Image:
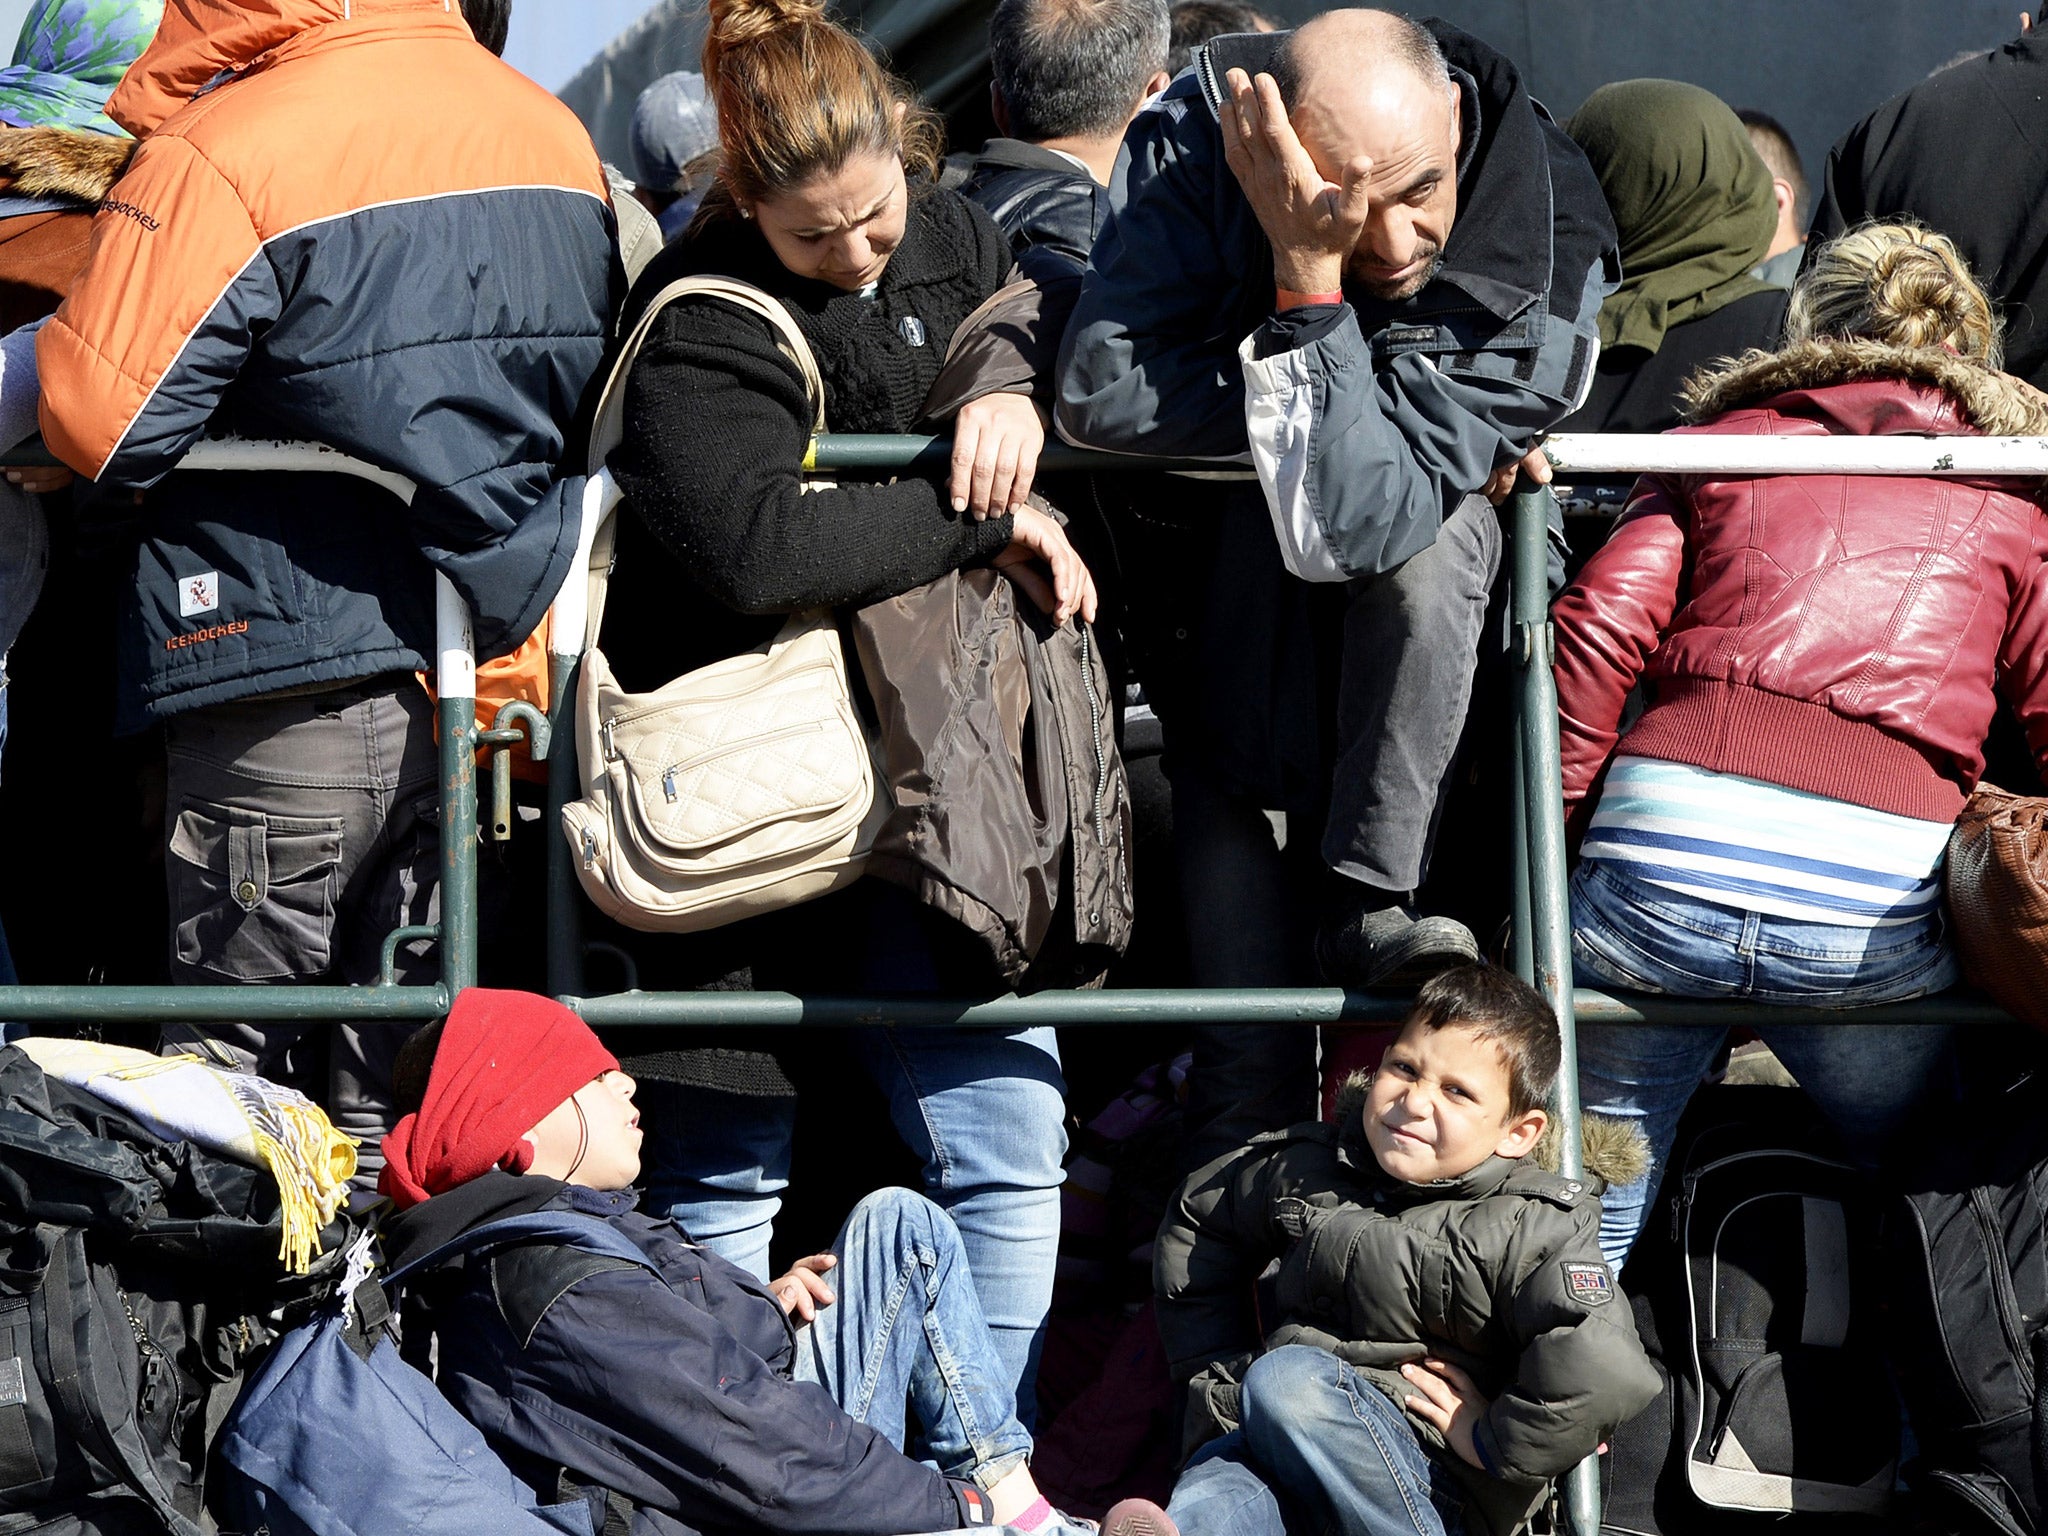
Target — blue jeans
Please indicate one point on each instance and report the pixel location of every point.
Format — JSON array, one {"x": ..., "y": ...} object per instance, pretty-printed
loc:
[
  {"x": 1865, "y": 1078},
  {"x": 905, "y": 1331},
  {"x": 1321, "y": 1450},
  {"x": 985, "y": 1112}
]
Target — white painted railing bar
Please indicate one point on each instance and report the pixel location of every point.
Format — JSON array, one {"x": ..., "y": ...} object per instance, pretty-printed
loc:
[{"x": 1623, "y": 453}]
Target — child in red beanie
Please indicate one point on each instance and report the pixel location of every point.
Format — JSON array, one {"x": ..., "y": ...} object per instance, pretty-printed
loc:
[{"x": 701, "y": 1397}]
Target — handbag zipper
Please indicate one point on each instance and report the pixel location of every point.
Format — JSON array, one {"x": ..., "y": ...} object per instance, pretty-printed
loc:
[
  {"x": 668, "y": 774},
  {"x": 1094, "y": 728},
  {"x": 796, "y": 679}
]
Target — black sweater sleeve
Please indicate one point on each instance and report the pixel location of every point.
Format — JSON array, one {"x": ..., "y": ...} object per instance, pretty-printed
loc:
[{"x": 716, "y": 427}]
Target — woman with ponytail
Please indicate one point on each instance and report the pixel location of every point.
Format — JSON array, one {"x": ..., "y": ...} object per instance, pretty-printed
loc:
[
  {"x": 1823, "y": 656},
  {"x": 825, "y": 198}
]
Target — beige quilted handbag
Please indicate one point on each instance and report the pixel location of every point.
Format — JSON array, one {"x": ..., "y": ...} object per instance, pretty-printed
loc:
[{"x": 740, "y": 787}]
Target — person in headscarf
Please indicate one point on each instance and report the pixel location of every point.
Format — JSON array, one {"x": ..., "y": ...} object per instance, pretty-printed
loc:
[
  {"x": 59, "y": 152},
  {"x": 70, "y": 56},
  {"x": 1693, "y": 204}
]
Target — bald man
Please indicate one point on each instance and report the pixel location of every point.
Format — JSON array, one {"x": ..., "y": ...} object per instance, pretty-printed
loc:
[{"x": 1360, "y": 257}]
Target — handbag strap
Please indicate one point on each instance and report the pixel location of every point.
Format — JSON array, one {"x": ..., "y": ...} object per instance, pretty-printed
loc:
[{"x": 610, "y": 424}]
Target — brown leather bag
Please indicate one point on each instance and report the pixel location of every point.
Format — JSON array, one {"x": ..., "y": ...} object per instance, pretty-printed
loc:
[{"x": 1997, "y": 886}]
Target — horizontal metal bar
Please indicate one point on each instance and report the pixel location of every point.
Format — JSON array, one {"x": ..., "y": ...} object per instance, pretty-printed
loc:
[
  {"x": 58, "y": 1005},
  {"x": 250, "y": 453},
  {"x": 1086, "y": 1009},
  {"x": 1601, "y": 453},
  {"x": 934, "y": 455},
  {"x": 1590, "y": 454},
  {"x": 1582, "y": 453},
  {"x": 1138, "y": 1006},
  {"x": 1303, "y": 1005}
]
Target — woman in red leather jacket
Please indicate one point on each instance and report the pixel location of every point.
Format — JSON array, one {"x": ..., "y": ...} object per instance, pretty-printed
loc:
[{"x": 1823, "y": 656}]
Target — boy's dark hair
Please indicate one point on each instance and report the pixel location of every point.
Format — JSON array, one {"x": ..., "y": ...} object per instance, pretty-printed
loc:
[
  {"x": 413, "y": 1066},
  {"x": 490, "y": 20},
  {"x": 1499, "y": 1006}
]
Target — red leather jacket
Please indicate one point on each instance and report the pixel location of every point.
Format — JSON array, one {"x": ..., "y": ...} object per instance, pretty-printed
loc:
[{"x": 1844, "y": 635}]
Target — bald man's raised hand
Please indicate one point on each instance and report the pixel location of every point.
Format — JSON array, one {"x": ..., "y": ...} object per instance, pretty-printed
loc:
[{"x": 1313, "y": 223}]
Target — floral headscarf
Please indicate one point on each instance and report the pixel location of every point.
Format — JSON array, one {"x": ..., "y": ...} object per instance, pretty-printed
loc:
[{"x": 71, "y": 55}]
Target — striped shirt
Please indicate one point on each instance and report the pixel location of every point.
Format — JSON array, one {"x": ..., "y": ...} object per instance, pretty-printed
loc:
[{"x": 1760, "y": 847}]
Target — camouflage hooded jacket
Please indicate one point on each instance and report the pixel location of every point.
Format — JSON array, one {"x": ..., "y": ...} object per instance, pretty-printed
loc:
[{"x": 1498, "y": 1272}]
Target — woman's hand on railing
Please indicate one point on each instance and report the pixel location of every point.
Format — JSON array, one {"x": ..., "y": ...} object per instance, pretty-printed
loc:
[
  {"x": 996, "y": 442},
  {"x": 1044, "y": 564}
]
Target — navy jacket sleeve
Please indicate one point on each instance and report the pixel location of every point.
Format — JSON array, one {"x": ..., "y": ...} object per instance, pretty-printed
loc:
[
  {"x": 1149, "y": 364},
  {"x": 629, "y": 1386}
]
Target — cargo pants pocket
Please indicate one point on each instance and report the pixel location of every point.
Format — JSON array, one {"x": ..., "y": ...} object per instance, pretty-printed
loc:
[{"x": 253, "y": 895}]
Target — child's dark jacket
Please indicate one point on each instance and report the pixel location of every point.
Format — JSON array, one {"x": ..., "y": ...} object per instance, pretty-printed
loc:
[
  {"x": 1498, "y": 1272},
  {"x": 673, "y": 1392}
]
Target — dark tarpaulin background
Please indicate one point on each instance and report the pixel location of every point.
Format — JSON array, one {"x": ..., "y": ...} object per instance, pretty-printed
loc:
[{"x": 1817, "y": 65}]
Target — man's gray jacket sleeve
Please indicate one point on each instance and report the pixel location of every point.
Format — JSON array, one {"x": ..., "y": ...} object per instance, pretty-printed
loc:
[
  {"x": 1360, "y": 464},
  {"x": 1149, "y": 361}
]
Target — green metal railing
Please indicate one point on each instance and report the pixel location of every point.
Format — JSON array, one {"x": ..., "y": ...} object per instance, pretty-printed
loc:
[{"x": 1542, "y": 934}]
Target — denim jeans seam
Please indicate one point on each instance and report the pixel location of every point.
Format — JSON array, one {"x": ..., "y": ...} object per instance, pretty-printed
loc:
[
  {"x": 1619, "y": 938},
  {"x": 878, "y": 1342},
  {"x": 1869, "y": 954},
  {"x": 1614, "y": 970},
  {"x": 1678, "y": 917},
  {"x": 1352, "y": 1387},
  {"x": 978, "y": 1438},
  {"x": 940, "y": 1158},
  {"x": 1892, "y": 989}
]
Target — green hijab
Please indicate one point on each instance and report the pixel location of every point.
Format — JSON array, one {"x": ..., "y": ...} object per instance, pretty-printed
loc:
[{"x": 1691, "y": 199}]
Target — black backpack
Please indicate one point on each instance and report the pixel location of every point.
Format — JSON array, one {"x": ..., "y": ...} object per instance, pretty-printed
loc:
[
  {"x": 1967, "y": 1257},
  {"x": 1754, "y": 1286},
  {"x": 137, "y": 1277}
]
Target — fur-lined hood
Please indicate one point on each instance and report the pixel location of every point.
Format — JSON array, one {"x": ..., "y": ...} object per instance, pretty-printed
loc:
[
  {"x": 63, "y": 162},
  {"x": 1996, "y": 404},
  {"x": 1615, "y": 1150}
]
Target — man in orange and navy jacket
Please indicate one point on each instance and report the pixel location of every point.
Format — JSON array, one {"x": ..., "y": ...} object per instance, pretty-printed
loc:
[{"x": 347, "y": 222}]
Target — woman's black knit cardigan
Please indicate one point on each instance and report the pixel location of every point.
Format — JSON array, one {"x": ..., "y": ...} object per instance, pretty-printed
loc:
[{"x": 717, "y": 542}]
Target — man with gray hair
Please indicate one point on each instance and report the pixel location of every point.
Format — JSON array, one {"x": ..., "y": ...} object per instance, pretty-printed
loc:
[
  {"x": 1361, "y": 258},
  {"x": 1069, "y": 76}
]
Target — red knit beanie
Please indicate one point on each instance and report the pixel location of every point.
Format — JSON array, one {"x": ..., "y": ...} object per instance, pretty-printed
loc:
[{"x": 505, "y": 1060}]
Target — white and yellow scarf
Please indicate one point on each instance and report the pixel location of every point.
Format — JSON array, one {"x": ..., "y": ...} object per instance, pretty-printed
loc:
[{"x": 235, "y": 1114}]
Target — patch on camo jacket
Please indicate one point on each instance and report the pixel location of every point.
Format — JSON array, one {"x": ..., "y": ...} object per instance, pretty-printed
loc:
[{"x": 1590, "y": 1284}]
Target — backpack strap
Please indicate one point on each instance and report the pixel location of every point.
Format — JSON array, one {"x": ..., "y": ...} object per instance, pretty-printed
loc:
[
  {"x": 529, "y": 1278},
  {"x": 371, "y": 1306},
  {"x": 564, "y": 1229},
  {"x": 561, "y": 1244},
  {"x": 610, "y": 423}
]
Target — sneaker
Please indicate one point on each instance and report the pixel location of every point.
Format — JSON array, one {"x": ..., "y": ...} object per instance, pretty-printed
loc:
[{"x": 1390, "y": 947}]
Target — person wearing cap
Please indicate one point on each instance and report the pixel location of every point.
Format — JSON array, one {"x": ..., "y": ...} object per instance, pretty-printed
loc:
[
  {"x": 696, "y": 1393},
  {"x": 675, "y": 121}
]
